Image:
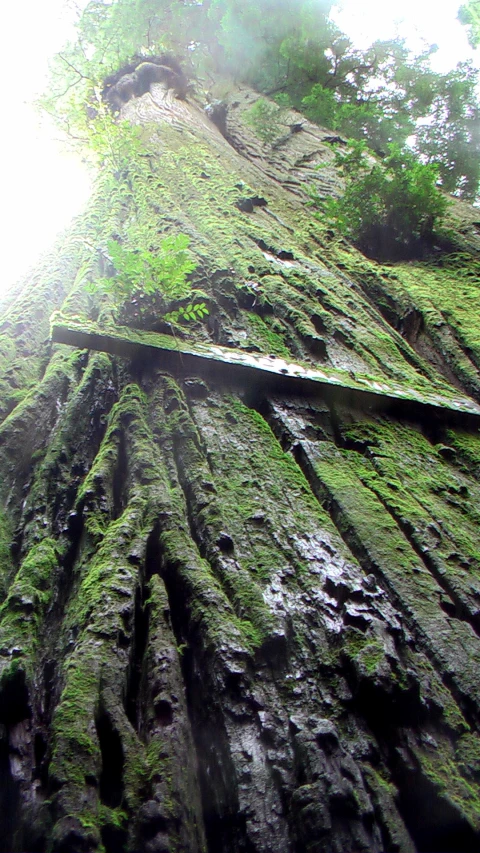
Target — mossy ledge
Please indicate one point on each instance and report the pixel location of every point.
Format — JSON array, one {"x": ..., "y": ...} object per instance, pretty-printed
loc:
[{"x": 246, "y": 369}]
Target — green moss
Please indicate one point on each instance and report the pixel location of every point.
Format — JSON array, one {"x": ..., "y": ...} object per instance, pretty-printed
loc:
[
  {"x": 434, "y": 693},
  {"x": 26, "y": 431},
  {"x": 152, "y": 497},
  {"x": 114, "y": 818},
  {"x": 137, "y": 768},
  {"x": 441, "y": 767},
  {"x": 443, "y": 292},
  {"x": 467, "y": 753},
  {"x": 265, "y": 333},
  {"x": 383, "y": 505},
  {"x": 58, "y": 466},
  {"x": 23, "y": 611},
  {"x": 18, "y": 374},
  {"x": 92, "y": 672},
  {"x": 253, "y": 493},
  {"x": 97, "y": 490},
  {"x": 6, "y": 565},
  {"x": 252, "y": 616},
  {"x": 376, "y": 529},
  {"x": 467, "y": 447},
  {"x": 417, "y": 484},
  {"x": 366, "y": 651},
  {"x": 76, "y": 751},
  {"x": 380, "y": 782},
  {"x": 447, "y": 293},
  {"x": 57, "y": 373}
]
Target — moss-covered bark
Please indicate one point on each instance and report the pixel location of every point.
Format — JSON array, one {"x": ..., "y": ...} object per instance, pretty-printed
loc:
[{"x": 234, "y": 620}]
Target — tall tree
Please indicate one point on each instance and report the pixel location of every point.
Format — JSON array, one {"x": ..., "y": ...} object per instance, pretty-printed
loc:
[
  {"x": 450, "y": 136},
  {"x": 294, "y": 51},
  {"x": 236, "y": 615}
]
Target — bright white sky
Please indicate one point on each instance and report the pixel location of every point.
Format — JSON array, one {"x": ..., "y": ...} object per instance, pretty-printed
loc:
[
  {"x": 43, "y": 187},
  {"x": 422, "y": 22}
]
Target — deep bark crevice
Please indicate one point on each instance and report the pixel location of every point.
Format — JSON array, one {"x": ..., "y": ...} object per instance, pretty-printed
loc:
[
  {"x": 111, "y": 776},
  {"x": 224, "y": 826},
  {"x": 435, "y": 825},
  {"x": 49, "y": 682},
  {"x": 40, "y": 752},
  {"x": 119, "y": 482},
  {"x": 195, "y": 534},
  {"x": 140, "y": 637},
  {"x": 66, "y": 576},
  {"x": 9, "y": 799},
  {"x": 141, "y": 623},
  {"x": 15, "y": 703},
  {"x": 114, "y": 839}
]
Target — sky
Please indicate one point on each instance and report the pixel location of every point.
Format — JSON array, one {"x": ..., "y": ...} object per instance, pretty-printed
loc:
[
  {"x": 422, "y": 22},
  {"x": 43, "y": 186}
]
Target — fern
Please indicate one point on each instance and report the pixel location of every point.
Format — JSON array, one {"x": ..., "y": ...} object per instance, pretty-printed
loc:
[{"x": 141, "y": 271}]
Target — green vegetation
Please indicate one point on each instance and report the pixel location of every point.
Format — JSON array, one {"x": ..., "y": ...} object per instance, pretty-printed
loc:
[
  {"x": 5, "y": 553},
  {"x": 143, "y": 268},
  {"x": 294, "y": 51},
  {"x": 389, "y": 210},
  {"x": 469, "y": 14},
  {"x": 266, "y": 120},
  {"x": 366, "y": 652},
  {"x": 450, "y": 138},
  {"x": 24, "y": 608},
  {"x": 382, "y": 96},
  {"x": 141, "y": 272}
]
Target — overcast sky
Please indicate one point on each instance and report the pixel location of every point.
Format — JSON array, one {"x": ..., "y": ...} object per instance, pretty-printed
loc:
[
  {"x": 422, "y": 22},
  {"x": 43, "y": 187}
]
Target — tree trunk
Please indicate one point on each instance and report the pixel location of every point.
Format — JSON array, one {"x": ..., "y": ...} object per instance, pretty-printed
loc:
[{"x": 235, "y": 619}]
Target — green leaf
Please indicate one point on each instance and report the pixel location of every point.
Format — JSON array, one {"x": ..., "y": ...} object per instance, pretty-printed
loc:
[{"x": 389, "y": 210}]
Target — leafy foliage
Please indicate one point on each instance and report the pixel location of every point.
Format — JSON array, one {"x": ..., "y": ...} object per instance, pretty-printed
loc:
[
  {"x": 469, "y": 14},
  {"x": 390, "y": 209},
  {"x": 450, "y": 133},
  {"x": 140, "y": 271},
  {"x": 266, "y": 120},
  {"x": 290, "y": 49},
  {"x": 192, "y": 311}
]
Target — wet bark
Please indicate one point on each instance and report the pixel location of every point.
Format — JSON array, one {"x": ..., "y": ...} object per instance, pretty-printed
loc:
[{"x": 235, "y": 621}]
